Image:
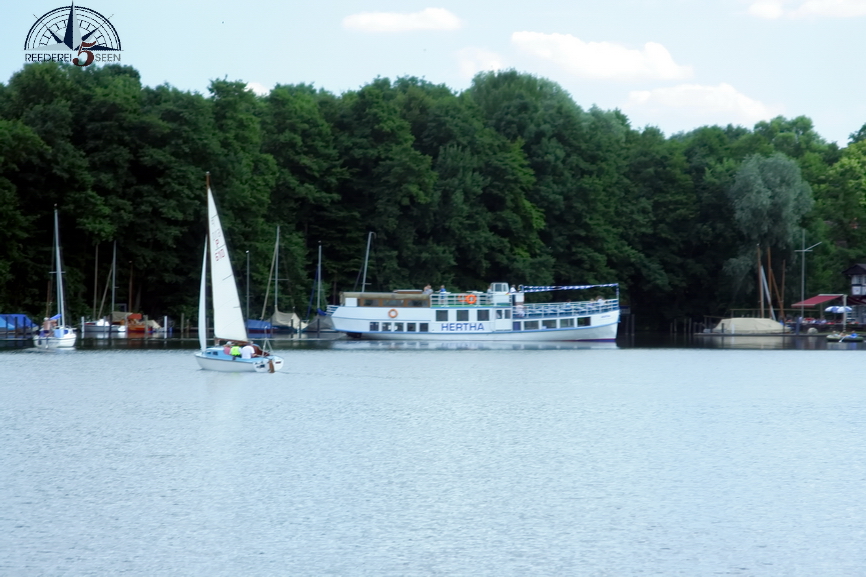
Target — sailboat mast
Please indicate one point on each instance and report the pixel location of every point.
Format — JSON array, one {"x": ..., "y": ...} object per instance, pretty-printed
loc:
[
  {"x": 60, "y": 299},
  {"x": 319, "y": 281},
  {"x": 277, "y": 269},
  {"x": 95, "y": 280},
  {"x": 366, "y": 259},
  {"x": 113, "y": 277}
]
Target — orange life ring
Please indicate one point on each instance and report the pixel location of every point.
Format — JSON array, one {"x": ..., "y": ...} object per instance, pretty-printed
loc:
[
  {"x": 392, "y": 313},
  {"x": 471, "y": 299}
]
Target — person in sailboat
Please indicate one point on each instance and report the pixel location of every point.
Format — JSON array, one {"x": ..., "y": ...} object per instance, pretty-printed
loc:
[{"x": 248, "y": 352}]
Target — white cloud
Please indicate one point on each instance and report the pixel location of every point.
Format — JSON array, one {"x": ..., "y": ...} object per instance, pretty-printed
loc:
[
  {"x": 831, "y": 9},
  {"x": 721, "y": 104},
  {"x": 769, "y": 9},
  {"x": 602, "y": 60},
  {"x": 427, "y": 19},
  {"x": 809, "y": 8},
  {"x": 258, "y": 89},
  {"x": 474, "y": 60}
]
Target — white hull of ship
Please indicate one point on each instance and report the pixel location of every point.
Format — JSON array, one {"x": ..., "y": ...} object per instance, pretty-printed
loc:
[
  {"x": 355, "y": 321},
  {"x": 604, "y": 333}
]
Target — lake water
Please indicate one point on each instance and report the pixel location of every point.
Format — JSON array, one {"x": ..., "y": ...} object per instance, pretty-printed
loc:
[{"x": 721, "y": 457}]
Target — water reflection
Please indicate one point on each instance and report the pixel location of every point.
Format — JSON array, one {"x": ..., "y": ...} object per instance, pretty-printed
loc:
[
  {"x": 340, "y": 343},
  {"x": 705, "y": 341}
]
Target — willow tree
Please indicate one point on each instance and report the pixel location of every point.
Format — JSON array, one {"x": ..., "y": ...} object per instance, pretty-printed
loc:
[{"x": 770, "y": 199}]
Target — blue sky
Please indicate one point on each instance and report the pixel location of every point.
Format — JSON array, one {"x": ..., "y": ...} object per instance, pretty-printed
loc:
[{"x": 674, "y": 64}]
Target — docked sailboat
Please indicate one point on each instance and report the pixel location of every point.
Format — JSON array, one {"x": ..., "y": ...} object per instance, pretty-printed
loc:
[
  {"x": 321, "y": 322},
  {"x": 55, "y": 333},
  {"x": 236, "y": 353},
  {"x": 279, "y": 321},
  {"x": 114, "y": 324}
]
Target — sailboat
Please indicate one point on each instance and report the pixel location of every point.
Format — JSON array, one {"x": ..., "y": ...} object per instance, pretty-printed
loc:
[
  {"x": 228, "y": 317},
  {"x": 278, "y": 321},
  {"x": 55, "y": 333},
  {"x": 112, "y": 324},
  {"x": 321, "y": 323}
]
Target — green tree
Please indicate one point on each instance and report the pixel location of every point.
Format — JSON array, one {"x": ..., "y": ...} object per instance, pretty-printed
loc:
[{"x": 770, "y": 199}]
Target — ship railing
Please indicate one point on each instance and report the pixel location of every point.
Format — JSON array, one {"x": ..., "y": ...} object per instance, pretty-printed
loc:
[
  {"x": 581, "y": 308},
  {"x": 471, "y": 299}
]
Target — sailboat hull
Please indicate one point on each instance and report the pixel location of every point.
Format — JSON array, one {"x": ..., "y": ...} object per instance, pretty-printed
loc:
[
  {"x": 215, "y": 359},
  {"x": 61, "y": 338}
]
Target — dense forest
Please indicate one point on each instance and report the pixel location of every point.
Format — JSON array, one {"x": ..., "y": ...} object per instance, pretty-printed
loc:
[{"x": 508, "y": 180}]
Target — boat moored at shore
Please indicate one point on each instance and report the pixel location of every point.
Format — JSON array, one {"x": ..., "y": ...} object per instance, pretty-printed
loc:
[{"x": 499, "y": 314}]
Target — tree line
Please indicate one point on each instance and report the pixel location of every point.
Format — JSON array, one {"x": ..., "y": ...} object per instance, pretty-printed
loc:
[{"x": 507, "y": 180}]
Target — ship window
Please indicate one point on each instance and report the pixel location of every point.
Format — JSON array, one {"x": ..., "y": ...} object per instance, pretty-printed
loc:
[
  {"x": 516, "y": 325},
  {"x": 462, "y": 315},
  {"x": 530, "y": 325},
  {"x": 392, "y": 302},
  {"x": 549, "y": 324},
  {"x": 410, "y": 327},
  {"x": 374, "y": 326},
  {"x": 483, "y": 315},
  {"x": 583, "y": 322},
  {"x": 370, "y": 302},
  {"x": 422, "y": 328},
  {"x": 442, "y": 316},
  {"x": 398, "y": 327},
  {"x": 386, "y": 326},
  {"x": 417, "y": 303},
  {"x": 499, "y": 314},
  {"x": 508, "y": 314},
  {"x": 563, "y": 323}
]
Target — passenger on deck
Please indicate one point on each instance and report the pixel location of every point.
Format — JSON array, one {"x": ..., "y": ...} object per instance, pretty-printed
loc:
[
  {"x": 428, "y": 290},
  {"x": 442, "y": 289}
]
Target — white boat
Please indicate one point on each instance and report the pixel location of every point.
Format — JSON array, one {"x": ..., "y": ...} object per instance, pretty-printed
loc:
[
  {"x": 97, "y": 327},
  {"x": 55, "y": 333},
  {"x": 228, "y": 318},
  {"x": 500, "y": 314}
]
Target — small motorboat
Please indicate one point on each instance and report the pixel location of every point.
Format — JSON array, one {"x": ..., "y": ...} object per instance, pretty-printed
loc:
[{"x": 844, "y": 338}]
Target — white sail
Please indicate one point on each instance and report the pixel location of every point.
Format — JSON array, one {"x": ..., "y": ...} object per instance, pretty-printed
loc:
[
  {"x": 202, "y": 301},
  {"x": 228, "y": 317}
]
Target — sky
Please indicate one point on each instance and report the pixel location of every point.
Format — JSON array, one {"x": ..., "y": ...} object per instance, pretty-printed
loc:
[{"x": 673, "y": 64}]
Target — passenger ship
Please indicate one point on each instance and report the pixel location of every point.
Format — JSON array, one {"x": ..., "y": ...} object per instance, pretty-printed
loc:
[{"x": 500, "y": 314}]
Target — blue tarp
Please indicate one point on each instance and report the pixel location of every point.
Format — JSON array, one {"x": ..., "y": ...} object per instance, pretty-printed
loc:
[
  {"x": 259, "y": 326},
  {"x": 9, "y": 321}
]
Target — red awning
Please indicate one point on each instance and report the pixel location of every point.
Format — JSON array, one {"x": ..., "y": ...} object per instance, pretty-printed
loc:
[{"x": 810, "y": 303}]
